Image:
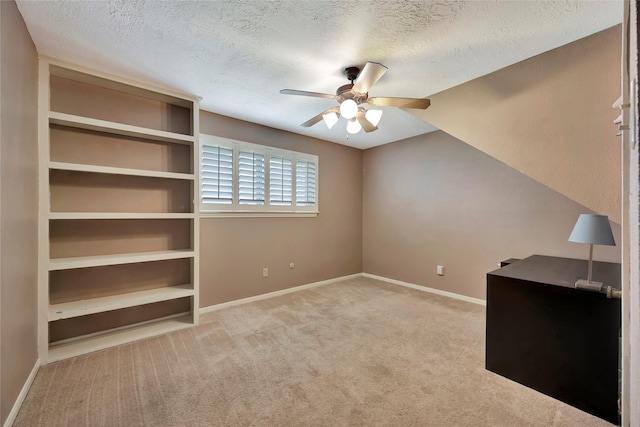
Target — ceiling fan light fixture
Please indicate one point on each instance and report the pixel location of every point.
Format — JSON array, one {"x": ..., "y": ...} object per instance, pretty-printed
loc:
[
  {"x": 348, "y": 109},
  {"x": 373, "y": 116},
  {"x": 353, "y": 126},
  {"x": 330, "y": 119},
  {"x": 352, "y": 98}
]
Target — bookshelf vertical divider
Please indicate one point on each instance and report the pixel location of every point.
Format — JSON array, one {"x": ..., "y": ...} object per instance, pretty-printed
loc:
[{"x": 118, "y": 230}]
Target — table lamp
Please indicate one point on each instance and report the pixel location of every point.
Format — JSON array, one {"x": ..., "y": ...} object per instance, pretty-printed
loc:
[{"x": 593, "y": 230}]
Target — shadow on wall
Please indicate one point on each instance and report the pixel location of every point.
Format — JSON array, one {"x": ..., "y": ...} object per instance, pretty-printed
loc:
[
  {"x": 434, "y": 200},
  {"x": 549, "y": 116}
]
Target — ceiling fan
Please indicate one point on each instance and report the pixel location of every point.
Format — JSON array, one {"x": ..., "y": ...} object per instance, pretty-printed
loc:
[{"x": 351, "y": 96}]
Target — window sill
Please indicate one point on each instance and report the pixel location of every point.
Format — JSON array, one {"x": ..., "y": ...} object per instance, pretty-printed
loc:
[{"x": 258, "y": 214}]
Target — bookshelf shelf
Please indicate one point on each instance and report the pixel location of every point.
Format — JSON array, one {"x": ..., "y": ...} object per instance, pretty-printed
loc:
[
  {"x": 118, "y": 215},
  {"x": 103, "y": 260},
  {"x": 71, "y": 309},
  {"x": 97, "y": 125},
  {"x": 77, "y": 167},
  {"x": 86, "y": 344}
]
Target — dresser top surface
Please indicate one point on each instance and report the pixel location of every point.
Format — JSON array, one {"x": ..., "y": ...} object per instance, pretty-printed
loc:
[{"x": 560, "y": 271}]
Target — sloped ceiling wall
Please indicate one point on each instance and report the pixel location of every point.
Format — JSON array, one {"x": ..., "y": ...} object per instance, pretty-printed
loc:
[{"x": 549, "y": 117}]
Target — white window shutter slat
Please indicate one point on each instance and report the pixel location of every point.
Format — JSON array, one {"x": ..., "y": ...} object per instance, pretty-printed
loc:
[
  {"x": 216, "y": 170},
  {"x": 280, "y": 185},
  {"x": 251, "y": 178},
  {"x": 305, "y": 183}
]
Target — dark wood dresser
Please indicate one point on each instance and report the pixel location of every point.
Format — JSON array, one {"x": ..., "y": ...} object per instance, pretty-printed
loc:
[{"x": 547, "y": 335}]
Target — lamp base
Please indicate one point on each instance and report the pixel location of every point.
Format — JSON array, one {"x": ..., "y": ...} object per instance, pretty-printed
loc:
[{"x": 590, "y": 286}]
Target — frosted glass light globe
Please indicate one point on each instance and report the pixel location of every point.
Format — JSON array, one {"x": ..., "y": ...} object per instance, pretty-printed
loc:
[
  {"x": 348, "y": 109},
  {"x": 353, "y": 127},
  {"x": 373, "y": 116},
  {"x": 330, "y": 119}
]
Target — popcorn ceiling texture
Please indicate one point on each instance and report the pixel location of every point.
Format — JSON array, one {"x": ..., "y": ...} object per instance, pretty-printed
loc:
[{"x": 238, "y": 55}]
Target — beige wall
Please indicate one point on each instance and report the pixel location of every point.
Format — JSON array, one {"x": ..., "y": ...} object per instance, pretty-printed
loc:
[
  {"x": 234, "y": 250},
  {"x": 434, "y": 200},
  {"x": 18, "y": 206},
  {"x": 550, "y": 117}
]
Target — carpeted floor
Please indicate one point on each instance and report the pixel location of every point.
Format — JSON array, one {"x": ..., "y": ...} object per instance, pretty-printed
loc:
[{"x": 354, "y": 353}]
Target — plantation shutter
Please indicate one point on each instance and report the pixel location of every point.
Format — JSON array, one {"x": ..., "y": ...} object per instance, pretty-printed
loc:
[
  {"x": 216, "y": 174},
  {"x": 280, "y": 185},
  {"x": 251, "y": 178},
  {"x": 305, "y": 183}
]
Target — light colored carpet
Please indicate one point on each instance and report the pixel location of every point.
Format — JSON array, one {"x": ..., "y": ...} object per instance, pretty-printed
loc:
[{"x": 354, "y": 353}]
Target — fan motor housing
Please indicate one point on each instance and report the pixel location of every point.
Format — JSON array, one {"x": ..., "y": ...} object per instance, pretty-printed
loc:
[{"x": 344, "y": 92}]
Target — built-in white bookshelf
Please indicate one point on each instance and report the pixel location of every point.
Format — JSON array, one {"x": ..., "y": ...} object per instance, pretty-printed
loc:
[{"x": 105, "y": 137}]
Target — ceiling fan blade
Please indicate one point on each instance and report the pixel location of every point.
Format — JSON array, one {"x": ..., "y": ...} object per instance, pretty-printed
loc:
[
  {"x": 304, "y": 93},
  {"x": 421, "y": 103},
  {"x": 315, "y": 119},
  {"x": 369, "y": 75},
  {"x": 366, "y": 124}
]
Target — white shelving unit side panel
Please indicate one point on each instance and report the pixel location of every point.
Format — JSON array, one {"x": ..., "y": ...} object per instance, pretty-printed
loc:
[
  {"x": 195, "y": 225},
  {"x": 43, "y": 208}
]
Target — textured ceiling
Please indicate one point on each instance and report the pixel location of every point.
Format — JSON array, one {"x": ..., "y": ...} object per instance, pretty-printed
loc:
[{"x": 237, "y": 55}]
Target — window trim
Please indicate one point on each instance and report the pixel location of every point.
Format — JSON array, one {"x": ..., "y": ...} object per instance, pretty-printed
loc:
[{"x": 267, "y": 210}]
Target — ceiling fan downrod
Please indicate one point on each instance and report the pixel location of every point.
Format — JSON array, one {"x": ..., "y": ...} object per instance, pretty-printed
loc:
[{"x": 345, "y": 92}]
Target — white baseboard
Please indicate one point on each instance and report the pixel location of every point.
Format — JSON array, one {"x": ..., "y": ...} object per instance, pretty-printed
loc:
[
  {"x": 215, "y": 307},
  {"x": 276, "y": 293},
  {"x": 23, "y": 393},
  {"x": 426, "y": 289}
]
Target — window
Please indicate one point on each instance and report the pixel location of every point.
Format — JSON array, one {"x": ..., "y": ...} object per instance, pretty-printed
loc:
[
  {"x": 217, "y": 174},
  {"x": 280, "y": 190},
  {"x": 251, "y": 178},
  {"x": 305, "y": 183},
  {"x": 239, "y": 177}
]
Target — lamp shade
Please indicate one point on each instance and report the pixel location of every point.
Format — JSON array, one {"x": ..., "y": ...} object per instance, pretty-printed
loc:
[{"x": 593, "y": 230}]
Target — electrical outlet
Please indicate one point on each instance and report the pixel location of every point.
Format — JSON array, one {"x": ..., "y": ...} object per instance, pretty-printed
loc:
[
  {"x": 440, "y": 270},
  {"x": 265, "y": 272}
]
